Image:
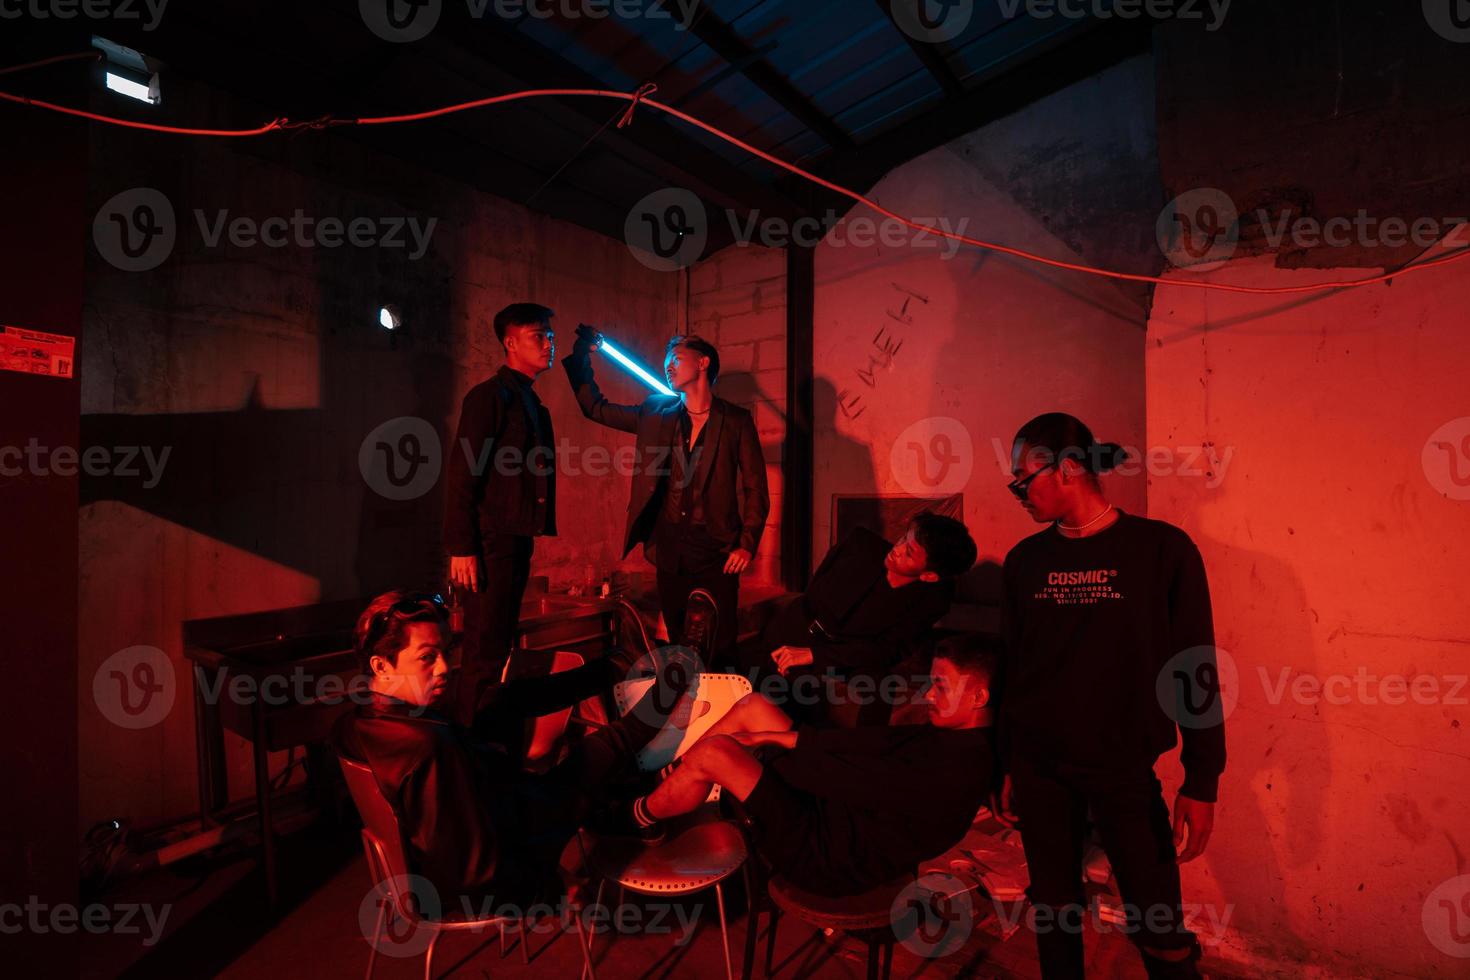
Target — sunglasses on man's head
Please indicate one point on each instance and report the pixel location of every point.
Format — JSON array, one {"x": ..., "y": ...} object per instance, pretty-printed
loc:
[
  {"x": 404, "y": 608},
  {"x": 1022, "y": 486}
]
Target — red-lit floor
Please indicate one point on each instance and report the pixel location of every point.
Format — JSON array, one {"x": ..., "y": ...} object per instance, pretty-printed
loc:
[{"x": 218, "y": 927}]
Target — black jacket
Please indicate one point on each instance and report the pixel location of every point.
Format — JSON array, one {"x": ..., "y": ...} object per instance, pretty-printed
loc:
[
  {"x": 735, "y": 517},
  {"x": 866, "y": 625},
  {"x": 474, "y": 823},
  {"x": 500, "y": 472}
]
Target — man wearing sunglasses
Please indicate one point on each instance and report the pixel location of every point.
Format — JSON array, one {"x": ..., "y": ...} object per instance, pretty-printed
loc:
[
  {"x": 1105, "y": 614},
  {"x": 699, "y": 499},
  {"x": 476, "y": 825}
]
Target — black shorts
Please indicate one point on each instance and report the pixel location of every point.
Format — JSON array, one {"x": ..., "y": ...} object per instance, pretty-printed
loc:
[{"x": 790, "y": 832}]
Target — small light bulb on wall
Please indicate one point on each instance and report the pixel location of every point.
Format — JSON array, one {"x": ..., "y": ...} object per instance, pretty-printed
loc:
[{"x": 389, "y": 318}]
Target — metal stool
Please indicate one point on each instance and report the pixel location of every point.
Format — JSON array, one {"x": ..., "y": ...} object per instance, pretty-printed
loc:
[{"x": 702, "y": 851}]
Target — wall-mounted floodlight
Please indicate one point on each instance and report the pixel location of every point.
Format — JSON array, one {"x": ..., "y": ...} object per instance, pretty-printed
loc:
[{"x": 128, "y": 73}]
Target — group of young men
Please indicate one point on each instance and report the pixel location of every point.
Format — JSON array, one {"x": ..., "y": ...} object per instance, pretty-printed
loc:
[{"x": 1057, "y": 722}]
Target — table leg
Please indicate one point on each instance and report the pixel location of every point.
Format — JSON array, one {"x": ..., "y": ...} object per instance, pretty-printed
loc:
[
  {"x": 209, "y": 747},
  {"x": 263, "y": 802}
]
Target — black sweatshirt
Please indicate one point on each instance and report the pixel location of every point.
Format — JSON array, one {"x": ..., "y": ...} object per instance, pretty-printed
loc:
[
  {"x": 888, "y": 797},
  {"x": 1091, "y": 623}
]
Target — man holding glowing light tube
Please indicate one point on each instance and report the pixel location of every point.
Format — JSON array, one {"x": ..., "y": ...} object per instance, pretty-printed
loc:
[{"x": 699, "y": 499}]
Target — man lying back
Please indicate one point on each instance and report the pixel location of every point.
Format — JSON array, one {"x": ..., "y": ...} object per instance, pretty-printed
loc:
[
  {"x": 476, "y": 825},
  {"x": 841, "y": 811}
]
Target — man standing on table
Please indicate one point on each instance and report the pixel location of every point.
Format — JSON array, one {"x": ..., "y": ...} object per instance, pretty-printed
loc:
[
  {"x": 501, "y": 494},
  {"x": 699, "y": 499}
]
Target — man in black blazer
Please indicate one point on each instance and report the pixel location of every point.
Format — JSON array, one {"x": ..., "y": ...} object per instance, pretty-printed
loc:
[
  {"x": 869, "y": 604},
  {"x": 500, "y": 494},
  {"x": 699, "y": 500}
]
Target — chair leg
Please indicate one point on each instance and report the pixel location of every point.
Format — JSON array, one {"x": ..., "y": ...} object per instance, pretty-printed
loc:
[
  {"x": 586, "y": 947},
  {"x": 525, "y": 938},
  {"x": 377, "y": 937},
  {"x": 592, "y": 933},
  {"x": 429, "y": 955},
  {"x": 887, "y": 958},
  {"x": 501, "y": 925},
  {"x": 771, "y": 937},
  {"x": 874, "y": 957},
  {"x": 724, "y": 932},
  {"x": 752, "y": 923}
]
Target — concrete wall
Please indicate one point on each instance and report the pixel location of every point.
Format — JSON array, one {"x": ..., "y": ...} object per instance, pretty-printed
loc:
[
  {"x": 263, "y": 370},
  {"x": 930, "y": 355},
  {"x": 1337, "y": 528},
  {"x": 737, "y": 300},
  {"x": 1335, "y": 542}
]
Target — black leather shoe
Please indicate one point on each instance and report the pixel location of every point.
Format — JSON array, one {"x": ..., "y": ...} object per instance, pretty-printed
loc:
[{"x": 701, "y": 623}]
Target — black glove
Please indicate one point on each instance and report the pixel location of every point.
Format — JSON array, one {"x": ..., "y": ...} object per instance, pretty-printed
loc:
[{"x": 587, "y": 340}]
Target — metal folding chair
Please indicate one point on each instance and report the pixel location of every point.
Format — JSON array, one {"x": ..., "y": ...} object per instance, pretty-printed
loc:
[{"x": 382, "y": 840}]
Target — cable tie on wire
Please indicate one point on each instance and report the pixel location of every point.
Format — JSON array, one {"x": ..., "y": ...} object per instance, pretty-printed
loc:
[
  {"x": 321, "y": 122},
  {"x": 644, "y": 91}
]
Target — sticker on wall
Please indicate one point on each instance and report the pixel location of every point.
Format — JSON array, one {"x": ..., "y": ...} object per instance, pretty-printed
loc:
[
  {"x": 934, "y": 457},
  {"x": 34, "y": 352}
]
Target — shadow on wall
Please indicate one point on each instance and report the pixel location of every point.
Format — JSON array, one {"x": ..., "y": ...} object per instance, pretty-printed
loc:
[
  {"x": 843, "y": 466},
  {"x": 1273, "y": 799},
  {"x": 277, "y": 483},
  {"x": 741, "y": 388}
]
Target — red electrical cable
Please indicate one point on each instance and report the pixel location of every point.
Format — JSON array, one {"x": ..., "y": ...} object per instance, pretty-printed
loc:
[
  {"x": 151, "y": 127},
  {"x": 641, "y": 98}
]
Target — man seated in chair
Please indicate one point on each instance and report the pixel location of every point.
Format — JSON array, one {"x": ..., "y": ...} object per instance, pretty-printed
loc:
[
  {"x": 474, "y": 823},
  {"x": 839, "y": 811},
  {"x": 869, "y": 603}
]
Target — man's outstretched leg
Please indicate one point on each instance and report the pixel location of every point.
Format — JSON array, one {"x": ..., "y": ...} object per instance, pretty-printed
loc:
[
  {"x": 753, "y": 713},
  {"x": 715, "y": 759}
]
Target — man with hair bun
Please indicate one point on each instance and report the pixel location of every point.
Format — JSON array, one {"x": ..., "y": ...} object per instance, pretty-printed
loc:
[{"x": 1096, "y": 609}]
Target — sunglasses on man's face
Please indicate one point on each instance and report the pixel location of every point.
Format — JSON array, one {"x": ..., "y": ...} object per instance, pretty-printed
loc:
[{"x": 1023, "y": 486}]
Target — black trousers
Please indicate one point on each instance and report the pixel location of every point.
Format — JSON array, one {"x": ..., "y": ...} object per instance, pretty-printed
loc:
[
  {"x": 551, "y": 807},
  {"x": 673, "y": 598},
  {"x": 1053, "y": 800},
  {"x": 492, "y": 615}
]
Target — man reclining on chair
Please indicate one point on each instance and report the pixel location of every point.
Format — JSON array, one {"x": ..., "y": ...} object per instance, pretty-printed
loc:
[
  {"x": 868, "y": 604},
  {"x": 841, "y": 811},
  {"x": 475, "y": 824}
]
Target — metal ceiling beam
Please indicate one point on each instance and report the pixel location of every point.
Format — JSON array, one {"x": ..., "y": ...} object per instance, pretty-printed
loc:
[
  {"x": 663, "y": 149},
  {"x": 935, "y": 56},
  {"x": 728, "y": 44},
  {"x": 1091, "y": 49}
]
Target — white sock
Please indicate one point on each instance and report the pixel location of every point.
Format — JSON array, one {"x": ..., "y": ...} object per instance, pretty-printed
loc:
[{"x": 640, "y": 813}]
